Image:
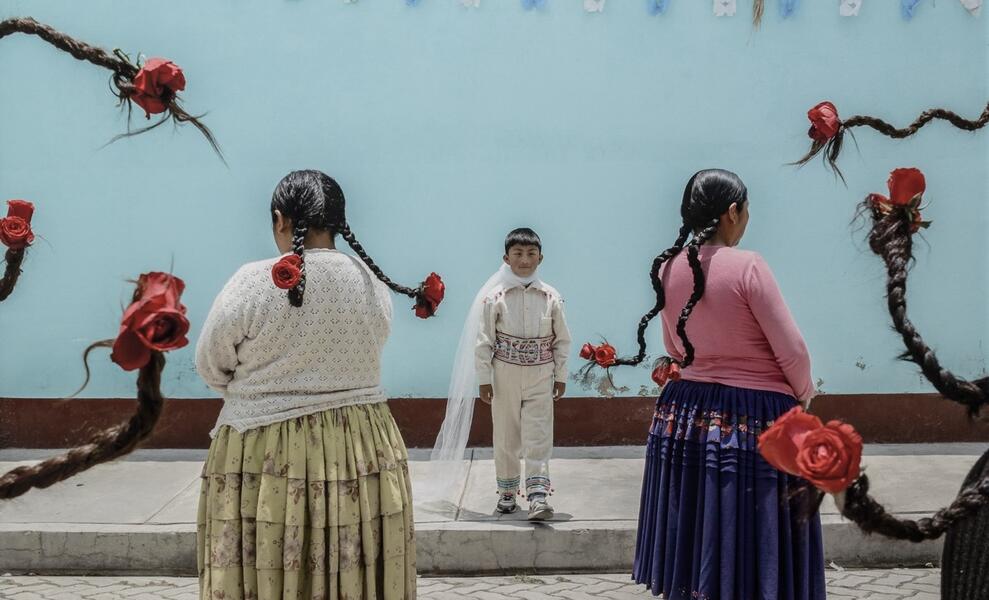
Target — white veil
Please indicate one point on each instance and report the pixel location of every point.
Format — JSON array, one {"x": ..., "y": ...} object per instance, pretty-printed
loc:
[{"x": 449, "y": 465}]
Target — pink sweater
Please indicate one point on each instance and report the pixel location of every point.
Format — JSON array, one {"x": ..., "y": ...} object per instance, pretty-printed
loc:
[{"x": 742, "y": 331}]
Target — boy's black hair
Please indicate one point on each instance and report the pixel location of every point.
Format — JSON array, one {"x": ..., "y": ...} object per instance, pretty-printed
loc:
[{"x": 523, "y": 236}]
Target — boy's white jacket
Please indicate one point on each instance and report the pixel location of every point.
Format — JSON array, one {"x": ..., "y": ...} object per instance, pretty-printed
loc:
[{"x": 452, "y": 439}]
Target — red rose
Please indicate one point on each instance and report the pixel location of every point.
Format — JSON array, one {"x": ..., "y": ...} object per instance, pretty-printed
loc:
[
  {"x": 587, "y": 351},
  {"x": 155, "y": 321},
  {"x": 604, "y": 355},
  {"x": 830, "y": 457},
  {"x": 15, "y": 228},
  {"x": 780, "y": 443},
  {"x": 824, "y": 122},
  {"x": 661, "y": 374},
  {"x": 156, "y": 84},
  {"x": 430, "y": 295},
  {"x": 287, "y": 272},
  {"x": 675, "y": 371},
  {"x": 906, "y": 186}
]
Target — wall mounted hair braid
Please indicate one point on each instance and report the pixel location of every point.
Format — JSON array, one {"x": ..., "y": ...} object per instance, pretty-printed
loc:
[
  {"x": 827, "y": 130},
  {"x": 16, "y": 234},
  {"x": 153, "y": 86},
  {"x": 758, "y": 9},
  {"x": 894, "y": 221},
  {"x": 154, "y": 323},
  {"x": 871, "y": 516}
]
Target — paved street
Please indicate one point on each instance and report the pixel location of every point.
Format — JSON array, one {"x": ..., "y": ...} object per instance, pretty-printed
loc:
[{"x": 873, "y": 584}]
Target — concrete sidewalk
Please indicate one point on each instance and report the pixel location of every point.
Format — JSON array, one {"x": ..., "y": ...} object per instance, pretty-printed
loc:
[{"x": 138, "y": 515}]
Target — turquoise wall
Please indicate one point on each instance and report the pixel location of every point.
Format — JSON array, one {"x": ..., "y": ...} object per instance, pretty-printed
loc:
[{"x": 447, "y": 127}]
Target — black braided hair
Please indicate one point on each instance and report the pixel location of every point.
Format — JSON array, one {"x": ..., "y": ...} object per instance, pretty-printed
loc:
[
  {"x": 299, "y": 231},
  {"x": 707, "y": 195},
  {"x": 832, "y": 147},
  {"x": 891, "y": 238},
  {"x": 313, "y": 200},
  {"x": 871, "y": 516},
  {"x": 693, "y": 251},
  {"x": 351, "y": 239}
]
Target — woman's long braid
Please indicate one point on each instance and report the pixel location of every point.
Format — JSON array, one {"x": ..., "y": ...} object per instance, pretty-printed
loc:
[
  {"x": 299, "y": 231},
  {"x": 348, "y": 235},
  {"x": 123, "y": 72},
  {"x": 11, "y": 272},
  {"x": 871, "y": 517},
  {"x": 657, "y": 286},
  {"x": 693, "y": 250},
  {"x": 891, "y": 238},
  {"x": 107, "y": 445}
]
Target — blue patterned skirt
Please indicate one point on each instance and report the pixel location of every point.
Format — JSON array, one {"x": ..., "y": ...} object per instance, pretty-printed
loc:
[{"x": 716, "y": 522}]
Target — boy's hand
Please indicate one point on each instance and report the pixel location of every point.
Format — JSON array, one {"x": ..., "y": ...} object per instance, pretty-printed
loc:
[
  {"x": 559, "y": 388},
  {"x": 487, "y": 393}
]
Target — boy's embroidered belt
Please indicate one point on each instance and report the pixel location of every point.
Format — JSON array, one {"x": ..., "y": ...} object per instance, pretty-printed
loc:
[{"x": 526, "y": 352}]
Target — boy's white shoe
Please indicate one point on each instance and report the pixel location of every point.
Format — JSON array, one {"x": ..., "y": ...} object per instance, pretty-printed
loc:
[
  {"x": 507, "y": 504},
  {"x": 539, "y": 509}
]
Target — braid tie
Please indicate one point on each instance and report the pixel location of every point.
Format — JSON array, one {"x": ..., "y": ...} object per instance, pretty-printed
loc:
[
  {"x": 299, "y": 231},
  {"x": 657, "y": 286},
  {"x": 872, "y": 517},
  {"x": 693, "y": 251},
  {"x": 891, "y": 239},
  {"x": 122, "y": 69},
  {"x": 348, "y": 235},
  {"x": 11, "y": 273},
  {"x": 104, "y": 446}
]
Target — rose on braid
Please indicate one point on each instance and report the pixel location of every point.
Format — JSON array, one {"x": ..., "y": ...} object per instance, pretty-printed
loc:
[
  {"x": 429, "y": 296},
  {"x": 154, "y": 322},
  {"x": 15, "y": 228}
]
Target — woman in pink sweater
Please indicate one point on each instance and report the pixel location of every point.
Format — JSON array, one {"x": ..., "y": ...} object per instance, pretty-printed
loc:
[{"x": 716, "y": 521}]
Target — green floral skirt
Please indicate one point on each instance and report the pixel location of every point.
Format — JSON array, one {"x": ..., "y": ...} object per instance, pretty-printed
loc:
[{"x": 318, "y": 507}]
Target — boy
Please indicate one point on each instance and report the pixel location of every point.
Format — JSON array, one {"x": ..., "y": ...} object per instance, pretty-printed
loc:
[{"x": 521, "y": 364}]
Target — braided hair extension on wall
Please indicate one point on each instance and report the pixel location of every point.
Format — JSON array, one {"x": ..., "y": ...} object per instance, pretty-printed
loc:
[
  {"x": 891, "y": 238},
  {"x": 122, "y": 78},
  {"x": 871, "y": 517},
  {"x": 106, "y": 445},
  {"x": 832, "y": 147},
  {"x": 12, "y": 271}
]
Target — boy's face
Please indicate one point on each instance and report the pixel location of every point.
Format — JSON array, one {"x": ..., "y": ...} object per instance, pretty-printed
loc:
[{"x": 524, "y": 260}]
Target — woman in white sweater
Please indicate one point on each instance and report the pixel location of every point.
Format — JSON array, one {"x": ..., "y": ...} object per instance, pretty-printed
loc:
[{"x": 306, "y": 490}]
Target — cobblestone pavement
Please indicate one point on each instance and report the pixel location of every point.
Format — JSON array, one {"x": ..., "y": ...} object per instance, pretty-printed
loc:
[{"x": 872, "y": 584}]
